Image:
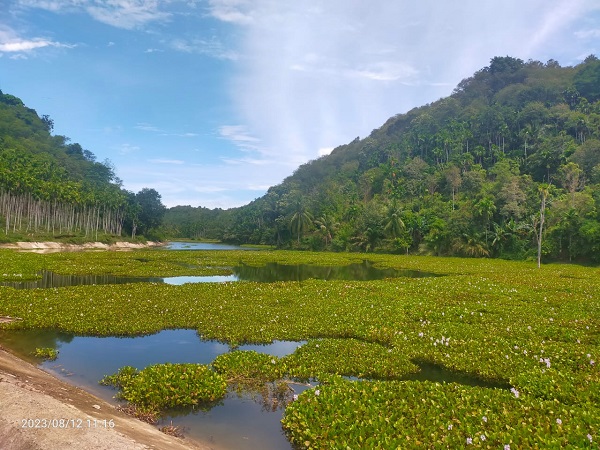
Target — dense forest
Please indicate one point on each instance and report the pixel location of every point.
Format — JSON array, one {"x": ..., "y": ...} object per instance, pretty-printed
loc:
[
  {"x": 507, "y": 166},
  {"x": 51, "y": 188}
]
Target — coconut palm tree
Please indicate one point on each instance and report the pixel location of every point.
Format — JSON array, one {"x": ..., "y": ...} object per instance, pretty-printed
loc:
[{"x": 301, "y": 220}]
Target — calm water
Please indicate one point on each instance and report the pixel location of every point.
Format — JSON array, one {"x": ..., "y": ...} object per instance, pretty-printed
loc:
[
  {"x": 269, "y": 273},
  {"x": 235, "y": 423},
  {"x": 203, "y": 246}
]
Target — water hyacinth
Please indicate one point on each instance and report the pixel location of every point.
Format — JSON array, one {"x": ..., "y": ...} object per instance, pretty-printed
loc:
[{"x": 496, "y": 312}]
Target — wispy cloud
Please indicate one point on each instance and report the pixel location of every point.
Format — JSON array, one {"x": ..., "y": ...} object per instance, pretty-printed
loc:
[
  {"x": 12, "y": 42},
  {"x": 212, "y": 47},
  {"x": 166, "y": 161},
  {"x": 127, "y": 14},
  {"x": 234, "y": 11},
  {"x": 241, "y": 137},
  {"x": 161, "y": 132},
  {"x": 316, "y": 74},
  {"x": 22, "y": 45},
  {"x": 126, "y": 149}
]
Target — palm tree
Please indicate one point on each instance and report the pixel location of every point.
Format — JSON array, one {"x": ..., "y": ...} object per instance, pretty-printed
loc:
[
  {"x": 393, "y": 223},
  {"x": 301, "y": 220},
  {"x": 327, "y": 227}
]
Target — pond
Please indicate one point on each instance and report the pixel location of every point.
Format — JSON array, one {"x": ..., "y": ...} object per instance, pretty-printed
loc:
[
  {"x": 235, "y": 423},
  {"x": 268, "y": 273}
]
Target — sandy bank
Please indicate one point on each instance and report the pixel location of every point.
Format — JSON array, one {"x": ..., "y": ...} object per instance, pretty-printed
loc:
[
  {"x": 59, "y": 246},
  {"x": 32, "y": 404}
]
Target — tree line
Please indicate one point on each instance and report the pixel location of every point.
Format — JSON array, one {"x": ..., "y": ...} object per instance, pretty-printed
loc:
[
  {"x": 51, "y": 187},
  {"x": 507, "y": 166}
]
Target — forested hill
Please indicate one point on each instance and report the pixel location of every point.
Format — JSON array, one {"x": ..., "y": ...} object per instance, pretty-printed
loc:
[
  {"x": 464, "y": 175},
  {"x": 51, "y": 188}
]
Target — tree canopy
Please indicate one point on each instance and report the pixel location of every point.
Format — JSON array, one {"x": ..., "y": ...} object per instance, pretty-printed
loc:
[{"x": 460, "y": 176}]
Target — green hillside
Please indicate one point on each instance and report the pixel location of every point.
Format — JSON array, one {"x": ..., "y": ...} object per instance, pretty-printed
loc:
[
  {"x": 464, "y": 175},
  {"x": 53, "y": 189}
]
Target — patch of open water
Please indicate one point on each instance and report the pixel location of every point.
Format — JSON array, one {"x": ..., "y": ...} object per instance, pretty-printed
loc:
[
  {"x": 237, "y": 422},
  {"x": 268, "y": 273}
]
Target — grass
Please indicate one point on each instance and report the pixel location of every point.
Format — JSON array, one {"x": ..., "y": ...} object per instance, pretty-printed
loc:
[{"x": 536, "y": 329}]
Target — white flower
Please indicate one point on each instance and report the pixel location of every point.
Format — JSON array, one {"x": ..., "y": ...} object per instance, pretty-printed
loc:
[
  {"x": 484, "y": 418},
  {"x": 317, "y": 392},
  {"x": 469, "y": 441},
  {"x": 515, "y": 392},
  {"x": 450, "y": 428},
  {"x": 295, "y": 397},
  {"x": 558, "y": 421},
  {"x": 589, "y": 436},
  {"x": 506, "y": 447},
  {"x": 482, "y": 437}
]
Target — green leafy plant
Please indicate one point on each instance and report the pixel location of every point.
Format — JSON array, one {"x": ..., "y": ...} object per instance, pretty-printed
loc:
[
  {"x": 46, "y": 353},
  {"x": 166, "y": 386}
]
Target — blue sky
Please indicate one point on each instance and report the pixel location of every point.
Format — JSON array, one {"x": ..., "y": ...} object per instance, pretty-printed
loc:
[{"x": 212, "y": 101}]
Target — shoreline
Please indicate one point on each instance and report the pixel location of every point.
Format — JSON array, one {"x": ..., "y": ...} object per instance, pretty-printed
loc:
[
  {"x": 60, "y": 246},
  {"x": 33, "y": 402}
]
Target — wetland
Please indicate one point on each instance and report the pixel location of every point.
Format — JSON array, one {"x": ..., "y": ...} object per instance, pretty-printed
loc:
[{"x": 433, "y": 351}]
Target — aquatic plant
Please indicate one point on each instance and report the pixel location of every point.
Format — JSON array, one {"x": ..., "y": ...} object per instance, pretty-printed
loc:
[
  {"x": 537, "y": 331},
  {"x": 46, "y": 353},
  {"x": 166, "y": 386}
]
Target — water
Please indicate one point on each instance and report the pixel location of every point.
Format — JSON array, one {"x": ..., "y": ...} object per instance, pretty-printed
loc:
[
  {"x": 269, "y": 273},
  {"x": 365, "y": 271},
  {"x": 203, "y": 246},
  {"x": 235, "y": 423}
]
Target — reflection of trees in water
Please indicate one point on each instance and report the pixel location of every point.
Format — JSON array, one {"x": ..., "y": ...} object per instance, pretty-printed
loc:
[
  {"x": 364, "y": 271},
  {"x": 53, "y": 280},
  {"x": 24, "y": 342}
]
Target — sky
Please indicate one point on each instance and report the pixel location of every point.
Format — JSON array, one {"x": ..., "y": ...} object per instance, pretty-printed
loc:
[{"x": 211, "y": 102}]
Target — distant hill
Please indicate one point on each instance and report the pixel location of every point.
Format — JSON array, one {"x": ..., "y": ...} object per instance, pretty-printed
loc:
[
  {"x": 461, "y": 176},
  {"x": 51, "y": 188}
]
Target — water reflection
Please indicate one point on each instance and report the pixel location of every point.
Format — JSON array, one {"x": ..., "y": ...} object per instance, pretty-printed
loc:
[
  {"x": 269, "y": 273},
  {"x": 203, "y": 246},
  {"x": 236, "y": 422},
  {"x": 365, "y": 271}
]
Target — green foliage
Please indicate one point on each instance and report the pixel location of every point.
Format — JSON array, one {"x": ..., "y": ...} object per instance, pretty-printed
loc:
[
  {"x": 49, "y": 187},
  {"x": 502, "y": 321},
  {"x": 389, "y": 414},
  {"x": 166, "y": 386},
  {"x": 472, "y": 161},
  {"x": 240, "y": 366},
  {"x": 46, "y": 353}
]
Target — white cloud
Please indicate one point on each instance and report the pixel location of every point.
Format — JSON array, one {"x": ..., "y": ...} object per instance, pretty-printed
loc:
[
  {"x": 11, "y": 42},
  {"x": 315, "y": 74},
  {"x": 233, "y": 11},
  {"x": 127, "y": 14}
]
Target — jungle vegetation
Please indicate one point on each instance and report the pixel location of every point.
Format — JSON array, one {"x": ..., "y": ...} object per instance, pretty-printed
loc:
[
  {"x": 507, "y": 166},
  {"x": 52, "y": 188}
]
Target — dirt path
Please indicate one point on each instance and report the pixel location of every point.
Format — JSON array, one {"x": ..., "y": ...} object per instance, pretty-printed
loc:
[{"x": 33, "y": 402}]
